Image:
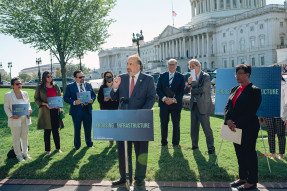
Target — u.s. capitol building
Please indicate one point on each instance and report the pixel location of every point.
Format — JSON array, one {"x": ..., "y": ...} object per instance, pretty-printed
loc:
[{"x": 221, "y": 34}]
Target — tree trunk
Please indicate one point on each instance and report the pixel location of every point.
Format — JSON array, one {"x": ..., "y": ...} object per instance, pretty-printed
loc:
[{"x": 63, "y": 71}]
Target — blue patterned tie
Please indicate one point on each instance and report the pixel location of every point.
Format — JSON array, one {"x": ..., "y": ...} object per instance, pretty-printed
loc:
[{"x": 170, "y": 79}]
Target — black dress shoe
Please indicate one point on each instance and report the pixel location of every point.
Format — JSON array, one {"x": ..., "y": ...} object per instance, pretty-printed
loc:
[
  {"x": 250, "y": 188},
  {"x": 139, "y": 182},
  {"x": 194, "y": 148},
  {"x": 236, "y": 184},
  {"x": 119, "y": 182}
]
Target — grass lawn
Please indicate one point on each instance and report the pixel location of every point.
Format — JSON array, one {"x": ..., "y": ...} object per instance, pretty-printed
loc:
[{"x": 164, "y": 163}]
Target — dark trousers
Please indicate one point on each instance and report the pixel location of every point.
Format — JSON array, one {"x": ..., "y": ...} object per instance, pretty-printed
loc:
[
  {"x": 164, "y": 120},
  {"x": 275, "y": 125},
  {"x": 141, "y": 150},
  {"x": 247, "y": 156},
  {"x": 196, "y": 118},
  {"x": 54, "y": 115},
  {"x": 86, "y": 117}
]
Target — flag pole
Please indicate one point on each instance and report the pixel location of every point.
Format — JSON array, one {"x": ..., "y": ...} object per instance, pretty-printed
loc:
[{"x": 172, "y": 14}]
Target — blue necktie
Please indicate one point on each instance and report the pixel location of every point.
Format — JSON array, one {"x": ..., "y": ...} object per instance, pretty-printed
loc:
[{"x": 170, "y": 79}]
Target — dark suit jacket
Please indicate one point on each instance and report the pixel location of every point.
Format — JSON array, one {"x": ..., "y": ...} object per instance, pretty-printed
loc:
[
  {"x": 201, "y": 91},
  {"x": 143, "y": 95},
  {"x": 177, "y": 86},
  {"x": 246, "y": 106},
  {"x": 71, "y": 96}
]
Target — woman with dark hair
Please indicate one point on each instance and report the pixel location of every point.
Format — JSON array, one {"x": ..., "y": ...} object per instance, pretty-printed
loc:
[
  {"x": 48, "y": 118},
  {"x": 107, "y": 103},
  {"x": 19, "y": 125},
  {"x": 240, "y": 112},
  {"x": 275, "y": 125}
]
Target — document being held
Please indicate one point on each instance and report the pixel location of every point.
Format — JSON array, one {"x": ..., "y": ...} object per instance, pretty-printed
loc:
[
  {"x": 84, "y": 97},
  {"x": 54, "y": 102},
  {"x": 20, "y": 109},
  {"x": 229, "y": 135}
]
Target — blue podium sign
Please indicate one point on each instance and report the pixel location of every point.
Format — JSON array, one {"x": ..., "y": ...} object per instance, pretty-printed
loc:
[
  {"x": 20, "y": 109},
  {"x": 268, "y": 79},
  {"x": 123, "y": 125},
  {"x": 84, "y": 97},
  {"x": 54, "y": 102}
]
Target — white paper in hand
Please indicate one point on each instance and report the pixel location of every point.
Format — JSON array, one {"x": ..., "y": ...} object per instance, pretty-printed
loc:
[
  {"x": 229, "y": 135},
  {"x": 192, "y": 74}
]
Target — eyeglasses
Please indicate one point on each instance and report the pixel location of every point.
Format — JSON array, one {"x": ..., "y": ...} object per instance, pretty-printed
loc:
[
  {"x": 81, "y": 77},
  {"x": 17, "y": 84},
  {"x": 238, "y": 74},
  {"x": 171, "y": 64},
  {"x": 49, "y": 77}
]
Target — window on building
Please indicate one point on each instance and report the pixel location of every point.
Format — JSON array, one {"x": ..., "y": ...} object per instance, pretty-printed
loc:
[
  {"x": 224, "y": 48},
  {"x": 232, "y": 63},
  {"x": 282, "y": 41},
  {"x": 281, "y": 24},
  {"x": 252, "y": 43},
  {"x": 242, "y": 45},
  {"x": 223, "y": 34},
  {"x": 231, "y": 47},
  {"x": 227, "y": 3},
  {"x": 262, "y": 61},
  {"x": 261, "y": 26},
  {"x": 225, "y": 64},
  {"x": 253, "y": 61},
  {"x": 234, "y": 3},
  {"x": 215, "y": 5},
  {"x": 221, "y": 4},
  {"x": 252, "y": 28},
  {"x": 262, "y": 42},
  {"x": 241, "y": 31}
]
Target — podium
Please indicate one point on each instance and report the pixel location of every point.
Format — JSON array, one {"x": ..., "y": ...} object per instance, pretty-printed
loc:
[{"x": 123, "y": 125}]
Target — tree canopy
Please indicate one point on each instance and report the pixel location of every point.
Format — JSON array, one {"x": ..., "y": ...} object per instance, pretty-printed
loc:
[{"x": 67, "y": 28}]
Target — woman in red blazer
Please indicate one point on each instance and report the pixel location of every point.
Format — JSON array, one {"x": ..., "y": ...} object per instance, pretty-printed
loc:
[{"x": 240, "y": 112}]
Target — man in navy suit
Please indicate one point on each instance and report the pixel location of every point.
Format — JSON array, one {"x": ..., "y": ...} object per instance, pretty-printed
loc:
[
  {"x": 138, "y": 88},
  {"x": 80, "y": 111},
  {"x": 170, "y": 89}
]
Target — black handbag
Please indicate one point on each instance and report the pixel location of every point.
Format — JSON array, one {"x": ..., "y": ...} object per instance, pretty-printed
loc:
[
  {"x": 168, "y": 92},
  {"x": 11, "y": 154}
]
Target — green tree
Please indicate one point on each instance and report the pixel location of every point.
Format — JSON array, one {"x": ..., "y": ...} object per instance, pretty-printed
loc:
[
  {"x": 67, "y": 28},
  {"x": 35, "y": 76},
  {"x": 71, "y": 68},
  {"x": 25, "y": 77}
]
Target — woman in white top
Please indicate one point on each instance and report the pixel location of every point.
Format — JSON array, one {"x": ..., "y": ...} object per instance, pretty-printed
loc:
[
  {"x": 19, "y": 125},
  {"x": 275, "y": 125}
]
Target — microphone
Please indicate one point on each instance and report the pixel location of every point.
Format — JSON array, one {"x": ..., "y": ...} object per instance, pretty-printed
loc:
[{"x": 124, "y": 103}]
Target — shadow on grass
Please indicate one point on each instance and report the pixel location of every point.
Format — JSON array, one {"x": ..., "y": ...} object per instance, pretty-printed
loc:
[
  {"x": 99, "y": 164},
  {"x": 9, "y": 164},
  {"x": 174, "y": 167},
  {"x": 29, "y": 169},
  {"x": 208, "y": 170},
  {"x": 66, "y": 166}
]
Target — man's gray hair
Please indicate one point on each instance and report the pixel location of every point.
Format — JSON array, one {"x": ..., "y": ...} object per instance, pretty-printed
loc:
[
  {"x": 195, "y": 61},
  {"x": 172, "y": 60}
]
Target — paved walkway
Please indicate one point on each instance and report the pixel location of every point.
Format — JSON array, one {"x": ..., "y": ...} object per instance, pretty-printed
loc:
[{"x": 102, "y": 185}]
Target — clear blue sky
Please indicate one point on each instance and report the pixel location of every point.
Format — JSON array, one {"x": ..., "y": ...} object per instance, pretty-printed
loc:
[{"x": 152, "y": 16}]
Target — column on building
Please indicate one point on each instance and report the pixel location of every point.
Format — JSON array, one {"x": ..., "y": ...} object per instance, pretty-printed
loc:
[
  {"x": 238, "y": 4},
  {"x": 203, "y": 47},
  {"x": 198, "y": 46},
  {"x": 183, "y": 48},
  {"x": 218, "y": 5},
  {"x": 166, "y": 50},
  {"x": 189, "y": 45},
  {"x": 180, "y": 48},
  {"x": 192, "y": 9},
  {"x": 213, "y": 44},
  {"x": 204, "y": 6},
  {"x": 196, "y": 7},
  {"x": 224, "y": 4},
  {"x": 231, "y": 4},
  {"x": 176, "y": 48},
  {"x": 159, "y": 50},
  {"x": 264, "y": 3},
  {"x": 207, "y": 45},
  {"x": 252, "y": 3},
  {"x": 194, "y": 46},
  {"x": 163, "y": 51}
]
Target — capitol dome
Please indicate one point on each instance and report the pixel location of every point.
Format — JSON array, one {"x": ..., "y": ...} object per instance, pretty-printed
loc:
[{"x": 202, "y": 10}]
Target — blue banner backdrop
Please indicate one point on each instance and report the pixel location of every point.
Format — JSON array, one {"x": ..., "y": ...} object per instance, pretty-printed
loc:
[
  {"x": 268, "y": 79},
  {"x": 123, "y": 125}
]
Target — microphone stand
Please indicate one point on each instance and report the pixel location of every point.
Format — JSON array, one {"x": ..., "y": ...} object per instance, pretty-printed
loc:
[{"x": 124, "y": 106}]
